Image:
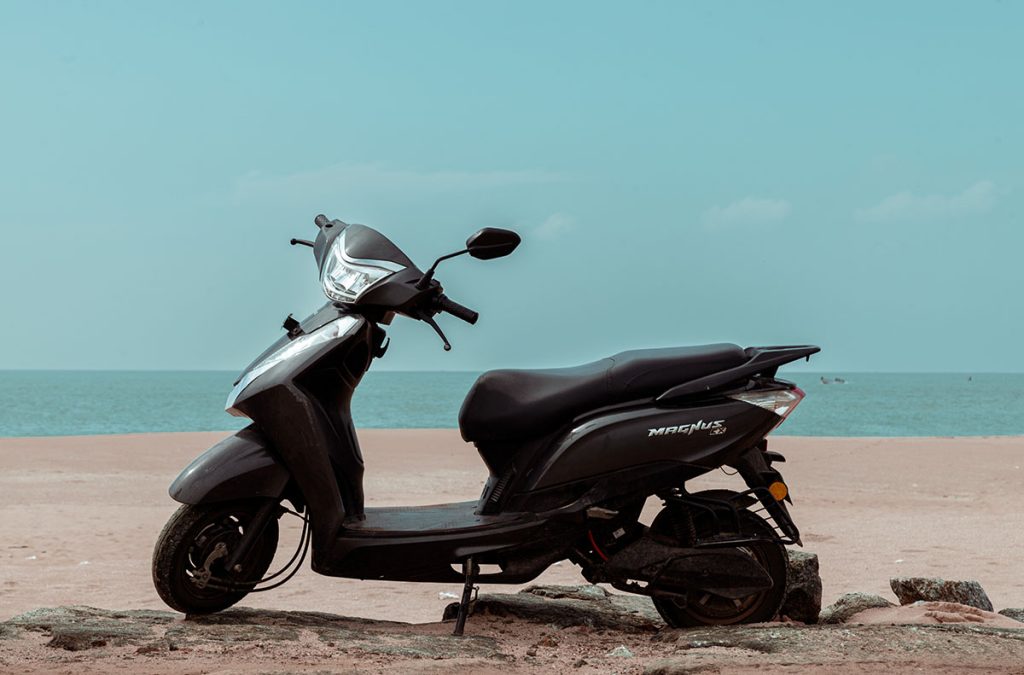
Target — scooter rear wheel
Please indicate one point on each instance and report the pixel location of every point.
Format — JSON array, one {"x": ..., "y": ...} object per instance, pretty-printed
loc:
[
  {"x": 194, "y": 545},
  {"x": 712, "y": 610}
]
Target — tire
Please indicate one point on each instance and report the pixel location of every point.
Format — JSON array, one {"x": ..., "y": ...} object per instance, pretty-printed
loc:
[
  {"x": 713, "y": 610},
  {"x": 189, "y": 539}
]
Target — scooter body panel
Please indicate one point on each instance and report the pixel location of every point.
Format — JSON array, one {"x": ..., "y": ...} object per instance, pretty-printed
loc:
[
  {"x": 239, "y": 467},
  {"x": 701, "y": 436},
  {"x": 301, "y": 404}
]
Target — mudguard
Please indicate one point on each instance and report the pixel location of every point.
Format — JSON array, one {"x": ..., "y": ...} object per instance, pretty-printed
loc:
[{"x": 239, "y": 467}]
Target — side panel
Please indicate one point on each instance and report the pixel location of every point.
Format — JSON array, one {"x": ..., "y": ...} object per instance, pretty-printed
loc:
[
  {"x": 302, "y": 406},
  {"x": 238, "y": 467},
  {"x": 702, "y": 436}
]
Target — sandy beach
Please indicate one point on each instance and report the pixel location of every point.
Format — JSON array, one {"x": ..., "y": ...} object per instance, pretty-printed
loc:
[{"x": 79, "y": 515}]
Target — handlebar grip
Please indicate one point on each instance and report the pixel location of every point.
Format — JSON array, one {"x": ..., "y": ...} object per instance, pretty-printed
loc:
[
  {"x": 457, "y": 310},
  {"x": 320, "y": 221}
]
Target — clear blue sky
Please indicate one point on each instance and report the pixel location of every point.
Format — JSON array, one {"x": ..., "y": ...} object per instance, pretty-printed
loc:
[{"x": 763, "y": 172}]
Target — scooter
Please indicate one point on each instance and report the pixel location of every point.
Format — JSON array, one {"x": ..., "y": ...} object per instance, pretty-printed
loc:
[{"x": 573, "y": 454}]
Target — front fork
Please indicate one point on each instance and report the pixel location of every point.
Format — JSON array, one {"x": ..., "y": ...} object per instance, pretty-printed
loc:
[
  {"x": 767, "y": 485},
  {"x": 253, "y": 530}
]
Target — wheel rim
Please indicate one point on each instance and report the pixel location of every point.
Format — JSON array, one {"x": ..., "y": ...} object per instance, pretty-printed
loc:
[
  {"x": 202, "y": 556},
  {"x": 201, "y": 564},
  {"x": 709, "y": 608}
]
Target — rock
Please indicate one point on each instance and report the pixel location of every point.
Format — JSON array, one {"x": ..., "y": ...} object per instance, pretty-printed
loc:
[
  {"x": 87, "y": 628},
  {"x": 75, "y": 641},
  {"x": 153, "y": 648},
  {"x": 621, "y": 652},
  {"x": 587, "y": 592},
  {"x": 565, "y": 606},
  {"x": 912, "y": 589},
  {"x": 547, "y": 641},
  {"x": 852, "y": 603},
  {"x": 803, "y": 588},
  {"x": 260, "y": 641},
  {"x": 756, "y": 638},
  {"x": 1015, "y": 613},
  {"x": 677, "y": 667},
  {"x": 79, "y": 628}
]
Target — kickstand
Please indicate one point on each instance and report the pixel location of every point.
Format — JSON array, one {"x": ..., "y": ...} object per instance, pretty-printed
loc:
[{"x": 469, "y": 571}]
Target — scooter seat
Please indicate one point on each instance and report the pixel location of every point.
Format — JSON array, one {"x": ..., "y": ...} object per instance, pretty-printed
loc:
[{"x": 517, "y": 404}]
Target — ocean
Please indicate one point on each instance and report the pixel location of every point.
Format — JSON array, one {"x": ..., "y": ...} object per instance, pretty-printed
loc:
[{"x": 72, "y": 403}]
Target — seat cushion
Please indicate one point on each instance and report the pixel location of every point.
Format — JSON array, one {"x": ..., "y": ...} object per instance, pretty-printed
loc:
[{"x": 510, "y": 404}]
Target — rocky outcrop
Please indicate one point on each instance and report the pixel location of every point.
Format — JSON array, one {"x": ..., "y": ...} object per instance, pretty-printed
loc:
[
  {"x": 803, "y": 588},
  {"x": 82, "y": 628},
  {"x": 847, "y": 605},
  {"x": 606, "y": 637},
  {"x": 566, "y": 606},
  {"x": 1015, "y": 613},
  {"x": 913, "y": 589}
]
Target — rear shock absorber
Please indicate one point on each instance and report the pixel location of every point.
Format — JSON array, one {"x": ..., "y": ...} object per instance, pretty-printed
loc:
[{"x": 683, "y": 526}]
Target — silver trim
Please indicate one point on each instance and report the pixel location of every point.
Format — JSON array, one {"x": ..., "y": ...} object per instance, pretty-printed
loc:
[
  {"x": 383, "y": 264},
  {"x": 299, "y": 345}
]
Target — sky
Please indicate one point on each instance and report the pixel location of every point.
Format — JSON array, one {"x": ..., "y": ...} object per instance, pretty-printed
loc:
[{"x": 842, "y": 174}]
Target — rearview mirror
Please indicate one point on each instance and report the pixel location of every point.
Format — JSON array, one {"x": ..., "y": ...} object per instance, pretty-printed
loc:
[{"x": 492, "y": 242}]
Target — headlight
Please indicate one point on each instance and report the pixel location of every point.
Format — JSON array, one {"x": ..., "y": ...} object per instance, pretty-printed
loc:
[{"x": 344, "y": 278}]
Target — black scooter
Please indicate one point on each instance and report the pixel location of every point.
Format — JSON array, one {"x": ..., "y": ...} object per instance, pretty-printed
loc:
[{"x": 573, "y": 454}]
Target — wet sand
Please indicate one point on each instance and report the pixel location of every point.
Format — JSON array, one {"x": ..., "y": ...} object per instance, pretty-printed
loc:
[{"x": 79, "y": 516}]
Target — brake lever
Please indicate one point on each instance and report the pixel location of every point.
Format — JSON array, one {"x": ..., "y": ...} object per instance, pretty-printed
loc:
[{"x": 429, "y": 320}]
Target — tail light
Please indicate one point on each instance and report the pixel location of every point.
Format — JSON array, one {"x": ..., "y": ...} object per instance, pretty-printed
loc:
[{"x": 779, "y": 401}]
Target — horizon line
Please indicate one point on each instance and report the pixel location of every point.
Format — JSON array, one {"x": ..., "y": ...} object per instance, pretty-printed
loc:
[{"x": 388, "y": 370}]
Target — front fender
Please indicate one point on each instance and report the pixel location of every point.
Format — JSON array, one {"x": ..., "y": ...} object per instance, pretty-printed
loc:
[{"x": 239, "y": 467}]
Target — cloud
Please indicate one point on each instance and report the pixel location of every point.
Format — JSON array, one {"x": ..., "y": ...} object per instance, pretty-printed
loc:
[
  {"x": 377, "y": 177},
  {"x": 747, "y": 211},
  {"x": 554, "y": 226},
  {"x": 907, "y": 206}
]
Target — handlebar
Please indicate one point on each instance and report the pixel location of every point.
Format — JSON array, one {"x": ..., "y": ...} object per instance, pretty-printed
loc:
[{"x": 445, "y": 304}]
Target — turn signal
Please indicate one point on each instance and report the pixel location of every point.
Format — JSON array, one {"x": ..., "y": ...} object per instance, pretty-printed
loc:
[{"x": 778, "y": 490}]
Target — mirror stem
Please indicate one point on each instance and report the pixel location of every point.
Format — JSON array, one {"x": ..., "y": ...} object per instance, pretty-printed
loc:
[{"x": 425, "y": 281}]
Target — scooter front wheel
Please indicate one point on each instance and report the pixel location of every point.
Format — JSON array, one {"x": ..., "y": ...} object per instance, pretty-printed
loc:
[{"x": 189, "y": 558}]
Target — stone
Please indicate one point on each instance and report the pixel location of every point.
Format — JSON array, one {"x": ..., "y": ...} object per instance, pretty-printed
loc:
[
  {"x": 621, "y": 652},
  {"x": 88, "y": 628},
  {"x": 564, "y": 606},
  {"x": 1015, "y": 613},
  {"x": 803, "y": 588},
  {"x": 586, "y": 592},
  {"x": 756, "y": 638},
  {"x": 78, "y": 628},
  {"x": 678, "y": 667},
  {"x": 137, "y": 642},
  {"x": 913, "y": 589},
  {"x": 849, "y": 604}
]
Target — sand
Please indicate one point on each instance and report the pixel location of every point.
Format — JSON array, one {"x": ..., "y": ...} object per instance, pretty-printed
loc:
[{"x": 78, "y": 516}]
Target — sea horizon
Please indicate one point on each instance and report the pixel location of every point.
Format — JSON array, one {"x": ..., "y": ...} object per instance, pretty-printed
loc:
[
  {"x": 790, "y": 369},
  {"x": 56, "y": 402}
]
